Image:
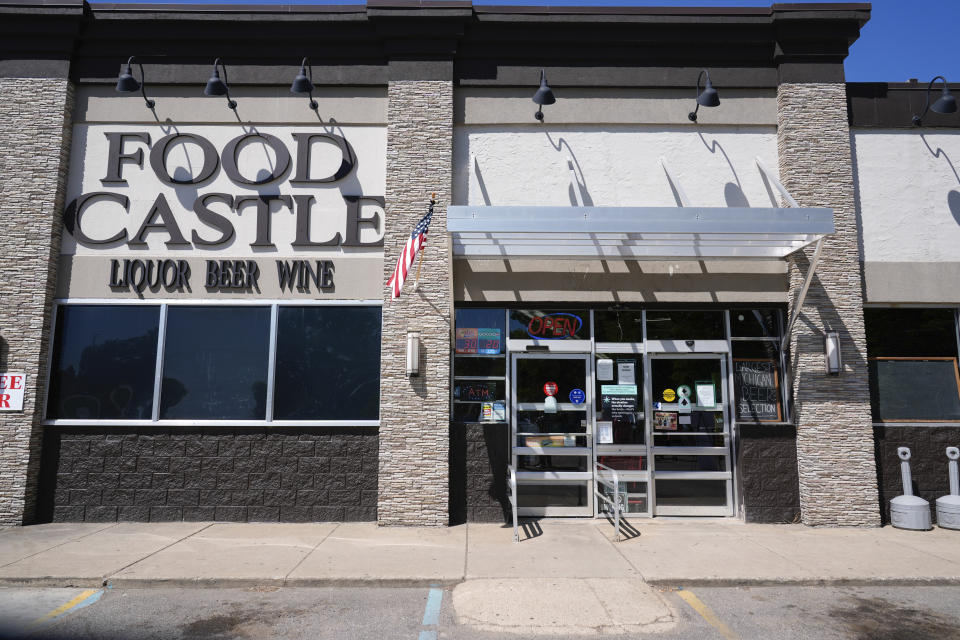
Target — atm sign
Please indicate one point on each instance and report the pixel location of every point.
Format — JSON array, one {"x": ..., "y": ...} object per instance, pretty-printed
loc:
[{"x": 554, "y": 326}]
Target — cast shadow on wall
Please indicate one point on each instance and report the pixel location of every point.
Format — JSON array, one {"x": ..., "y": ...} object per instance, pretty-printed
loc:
[
  {"x": 953, "y": 196},
  {"x": 733, "y": 193}
]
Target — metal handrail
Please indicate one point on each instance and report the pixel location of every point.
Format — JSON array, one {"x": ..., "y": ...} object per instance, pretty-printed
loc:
[
  {"x": 512, "y": 485},
  {"x": 615, "y": 486}
]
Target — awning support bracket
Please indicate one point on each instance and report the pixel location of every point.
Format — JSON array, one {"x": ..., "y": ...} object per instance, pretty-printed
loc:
[{"x": 814, "y": 261}]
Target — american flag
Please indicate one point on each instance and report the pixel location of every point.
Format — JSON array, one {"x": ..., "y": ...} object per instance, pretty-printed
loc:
[{"x": 418, "y": 238}]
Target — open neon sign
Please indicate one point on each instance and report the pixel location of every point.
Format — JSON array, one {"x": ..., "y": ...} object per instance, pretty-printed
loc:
[{"x": 554, "y": 326}]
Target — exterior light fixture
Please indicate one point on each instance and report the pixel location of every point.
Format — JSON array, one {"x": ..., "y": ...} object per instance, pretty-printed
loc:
[
  {"x": 217, "y": 87},
  {"x": 126, "y": 83},
  {"x": 831, "y": 350},
  {"x": 946, "y": 104},
  {"x": 707, "y": 98},
  {"x": 413, "y": 353},
  {"x": 544, "y": 95},
  {"x": 304, "y": 84}
]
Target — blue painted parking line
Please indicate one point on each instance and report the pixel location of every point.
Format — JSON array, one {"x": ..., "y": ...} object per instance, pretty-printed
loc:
[{"x": 431, "y": 614}]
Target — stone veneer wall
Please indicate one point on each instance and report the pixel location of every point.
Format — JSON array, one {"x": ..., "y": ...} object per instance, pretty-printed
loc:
[
  {"x": 928, "y": 462},
  {"x": 35, "y": 128},
  {"x": 479, "y": 457},
  {"x": 246, "y": 474},
  {"x": 838, "y": 479},
  {"x": 415, "y": 412},
  {"x": 767, "y": 468}
]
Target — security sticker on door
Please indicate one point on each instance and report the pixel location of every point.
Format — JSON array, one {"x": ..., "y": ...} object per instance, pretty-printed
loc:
[
  {"x": 577, "y": 396},
  {"x": 669, "y": 395}
]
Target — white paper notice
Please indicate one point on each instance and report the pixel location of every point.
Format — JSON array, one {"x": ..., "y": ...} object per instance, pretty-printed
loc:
[
  {"x": 605, "y": 432},
  {"x": 705, "y": 395},
  {"x": 626, "y": 372},
  {"x": 604, "y": 369}
]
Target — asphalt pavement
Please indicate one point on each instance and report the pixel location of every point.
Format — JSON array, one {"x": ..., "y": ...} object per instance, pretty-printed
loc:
[{"x": 341, "y": 613}]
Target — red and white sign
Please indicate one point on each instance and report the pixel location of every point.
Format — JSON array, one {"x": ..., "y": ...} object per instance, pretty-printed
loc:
[
  {"x": 550, "y": 388},
  {"x": 11, "y": 391}
]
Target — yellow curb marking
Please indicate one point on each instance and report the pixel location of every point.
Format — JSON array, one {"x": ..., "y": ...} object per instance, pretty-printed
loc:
[
  {"x": 66, "y": 607},
  {"x": 707, "y": 614}
]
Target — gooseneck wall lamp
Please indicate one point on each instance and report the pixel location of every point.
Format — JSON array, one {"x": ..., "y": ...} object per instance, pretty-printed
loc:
[
  {"x": 543, "y": 96},
  {"x": 217, "y": 87},
  {"x": 946, "y": 104},
  {"x": 304, "y": 83},
  {"x": 126, "y": 83},
  {"x": 707, "y": 98}
]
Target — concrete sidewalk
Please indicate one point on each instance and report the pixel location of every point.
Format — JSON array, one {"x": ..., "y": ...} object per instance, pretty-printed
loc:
[{"x": 661, "y": 552}]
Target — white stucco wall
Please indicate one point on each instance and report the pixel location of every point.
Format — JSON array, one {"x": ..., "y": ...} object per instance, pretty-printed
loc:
[
  {"x": 617, "y": 165},
  {"x": 908, "y": 187}
]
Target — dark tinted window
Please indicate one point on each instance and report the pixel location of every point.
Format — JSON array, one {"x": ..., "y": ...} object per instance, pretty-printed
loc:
[
  {"x": 618, "y": 326},
  {"x": 910, "y": 332},
  {"x": 328, "y": 364},
  {"x": 754, "y": 323},
  {"x": 215, "y": 363},
  {"x": 913, "y": 364},
  {"x": 685, "y": 325},
  {"x": 103, "y": 362}
]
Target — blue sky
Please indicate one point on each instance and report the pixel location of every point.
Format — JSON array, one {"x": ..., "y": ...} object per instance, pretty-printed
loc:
[{"x": 904, "y": 38}]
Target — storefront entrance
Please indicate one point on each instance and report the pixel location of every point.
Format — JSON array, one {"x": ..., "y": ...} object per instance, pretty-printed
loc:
[
  {"x": 552, "y": 418},
  {"x": 662, "y": 421},
  {"x": 689, "y": 419}
]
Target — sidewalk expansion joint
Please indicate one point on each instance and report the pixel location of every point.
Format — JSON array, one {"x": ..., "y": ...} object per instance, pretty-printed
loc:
[
  {"x": 86, "y": 535},
  {"x": 309, "y": 553},
  {"x": 107, "y": 579}
]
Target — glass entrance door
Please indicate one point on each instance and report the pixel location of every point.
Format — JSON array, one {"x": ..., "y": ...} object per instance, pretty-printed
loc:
[
  {"x": 690, "y": 424},
  {"x": 552, "y": 434}
]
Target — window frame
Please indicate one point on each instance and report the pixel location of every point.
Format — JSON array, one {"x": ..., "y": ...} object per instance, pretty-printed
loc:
[
  {"x": 876, "y": 306},
  {"x": 164, "y": 304}
]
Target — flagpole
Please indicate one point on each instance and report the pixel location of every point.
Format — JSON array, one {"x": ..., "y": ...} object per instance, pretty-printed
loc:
[{"x": 416, "y": 281}]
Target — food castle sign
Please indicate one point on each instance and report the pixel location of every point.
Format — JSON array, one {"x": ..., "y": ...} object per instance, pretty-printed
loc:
[{"x": 224, "y": 209}]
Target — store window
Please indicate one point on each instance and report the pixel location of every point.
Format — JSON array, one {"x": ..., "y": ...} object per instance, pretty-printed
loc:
[
  {"x": 103, "y": 365},
  {"x": 617, "y": 325},
  {"x": 757, "y": 365},
  {"x": 913, "y": 365},
  {"x": 324, "y": 372},
  {"x": 480, "y": 366},
  {"x": 685, "y": 325},
  {"x": 215, "y": 363},
  {"x": 549, "y": 324}
]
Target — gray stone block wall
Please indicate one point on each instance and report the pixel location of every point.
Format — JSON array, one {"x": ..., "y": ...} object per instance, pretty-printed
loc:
[
  {"x": 35, "y": 127},
  {"x": 415, "y": 412},
  {"x": 767, "y": 469},
  {"x": 928, "y": 462},
  {"x": 245, "y": 474},
  {"x": 838, "y": 478}
]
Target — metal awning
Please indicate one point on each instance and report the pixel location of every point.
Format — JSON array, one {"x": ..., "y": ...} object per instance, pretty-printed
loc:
[{"x": 634, "y": 233}]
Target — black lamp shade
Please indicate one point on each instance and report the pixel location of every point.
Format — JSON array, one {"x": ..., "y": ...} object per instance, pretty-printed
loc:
[
  {"x": 301, "y": 84},
  {"x": 946, "y": 104},
  {"x": 126, "y": 83},
  {"x": 709, "y": 96},
  {"x": 544, "y": 94},
  {"x": 215, "y": 86}
]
